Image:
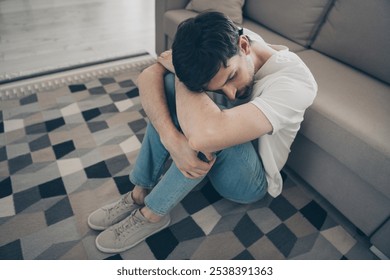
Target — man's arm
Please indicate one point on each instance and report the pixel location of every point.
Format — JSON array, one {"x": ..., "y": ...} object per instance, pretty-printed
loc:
[
  {"x": 152, "y": 93},
  {"x": 151, "y": 87},
  {"x": 209, "y": 129},
  {"x": 206, "y": 126}
]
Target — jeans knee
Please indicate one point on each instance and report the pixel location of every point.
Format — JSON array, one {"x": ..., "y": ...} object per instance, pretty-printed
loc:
[
  {"x": 247, "y": 195},
  {"x": 248, "y": 199}
]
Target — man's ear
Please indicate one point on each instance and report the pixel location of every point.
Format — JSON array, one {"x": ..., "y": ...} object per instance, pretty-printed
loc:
[{"x": 244, "y": 44}]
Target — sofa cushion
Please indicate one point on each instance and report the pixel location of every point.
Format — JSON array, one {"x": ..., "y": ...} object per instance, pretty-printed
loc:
[
  {"x": 271, "y": 37},
  {"x": 357, "y": 32},
  {"x": 231, "y": 8},
  {"x": 297, "y": 20},
  {"x": 349, "y": 119},
  {"x": 172, "y": 19}
]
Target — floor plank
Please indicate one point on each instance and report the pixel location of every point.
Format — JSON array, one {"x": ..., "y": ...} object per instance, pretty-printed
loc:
[{"x": 38, "y": 35}]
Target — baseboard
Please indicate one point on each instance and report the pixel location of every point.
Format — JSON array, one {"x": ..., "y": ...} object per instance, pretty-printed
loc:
[{"x": 81, "y": 74}]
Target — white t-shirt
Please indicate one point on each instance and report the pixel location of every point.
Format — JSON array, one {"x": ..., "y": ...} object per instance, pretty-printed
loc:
[{"x": 284, "y": 87}]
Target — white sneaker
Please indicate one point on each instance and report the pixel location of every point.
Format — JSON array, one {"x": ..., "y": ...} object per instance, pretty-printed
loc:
[
  {"x": 129, "y": 232},
  {"x": 112, "y": 213}
]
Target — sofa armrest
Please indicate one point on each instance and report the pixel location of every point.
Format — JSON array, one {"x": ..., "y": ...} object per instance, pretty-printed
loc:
[{"x": 161, "y": 6}]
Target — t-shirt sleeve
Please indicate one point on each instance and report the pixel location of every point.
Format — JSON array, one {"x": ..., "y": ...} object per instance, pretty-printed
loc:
[{"x": 284, "y": 101}]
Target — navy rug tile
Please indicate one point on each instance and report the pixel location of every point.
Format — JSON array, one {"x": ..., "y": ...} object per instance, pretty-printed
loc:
[
  {"x": 11, "y": 251},
  {"x": 162, "y": 243},
  {"x": 116, "y": 257},
  {"x": 98, "y": 170},
  {"x": 5, "y": 187},
  {"x": 54, "y": 124},
  {"x": 247, "y": 232},
  {"x": 315, "y": 214},
  {"x": 186, "y": 229},
  {"x": 282, "y": 208},
  {"x": 123, "y": 184},
  {"x": 91, "y": 114},
  {"x": 283, "y": 239},
  {"x": 210, "y": 193},
  {"x": 190, "y": 206},
  {"x": 63, "y": 149},
  {"x": 52, "y": 188},
  {"x": 133, "y": 93},
  {"x": 77, "y": 88},
  {"x": 245, "y": 255},
  {"x": 3, "y": 154}
]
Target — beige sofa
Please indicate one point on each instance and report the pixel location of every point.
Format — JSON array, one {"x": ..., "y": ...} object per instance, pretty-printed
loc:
[{"x": 343, "y": 147}]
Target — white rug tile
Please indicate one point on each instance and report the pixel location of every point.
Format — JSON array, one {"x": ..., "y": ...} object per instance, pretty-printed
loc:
[
  {"x": 341, "y": 239},
  {"x": 69, "y": 166},
  {"x": 130, "y": 145},
  {"x": 207, "y": 218},
  {"x": 124, "y": 105},
  {"x": 11, "y": 125},
  {"x": 7, "y": 207},
  {"x": 71, "y": 109}
]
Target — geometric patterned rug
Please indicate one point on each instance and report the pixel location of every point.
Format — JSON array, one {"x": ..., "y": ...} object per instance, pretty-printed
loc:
[{"x": 67, "y": 151}]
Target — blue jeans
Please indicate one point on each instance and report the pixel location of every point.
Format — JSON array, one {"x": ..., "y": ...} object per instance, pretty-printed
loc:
[{"x": 237, "y": 173}]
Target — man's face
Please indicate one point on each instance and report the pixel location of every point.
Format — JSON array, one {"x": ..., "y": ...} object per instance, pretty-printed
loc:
[{"x": 236, "y": 80}]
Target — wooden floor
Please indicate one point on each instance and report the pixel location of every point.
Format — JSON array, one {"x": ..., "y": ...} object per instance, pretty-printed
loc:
[{"x": 41, "y": 35}]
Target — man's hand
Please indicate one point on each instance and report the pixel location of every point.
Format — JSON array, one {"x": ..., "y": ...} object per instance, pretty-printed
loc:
[
  {"x": 165, "y": 59},
  {"x": 185, "y": 158}
]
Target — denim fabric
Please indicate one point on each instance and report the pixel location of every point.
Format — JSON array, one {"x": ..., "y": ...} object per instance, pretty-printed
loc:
[{"x": 237, "y": 173}]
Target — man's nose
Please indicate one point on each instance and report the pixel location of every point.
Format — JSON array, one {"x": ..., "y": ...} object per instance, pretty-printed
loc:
[{"x": 230, "y": 92}]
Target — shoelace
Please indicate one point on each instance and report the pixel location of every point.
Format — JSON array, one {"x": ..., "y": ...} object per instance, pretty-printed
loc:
[
  {"x": 130, "y": 221},
  {"x": 117, "y": 207}
]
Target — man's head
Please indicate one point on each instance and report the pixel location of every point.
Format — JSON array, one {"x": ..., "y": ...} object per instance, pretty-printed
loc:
[{"x": 208, "y": 52}]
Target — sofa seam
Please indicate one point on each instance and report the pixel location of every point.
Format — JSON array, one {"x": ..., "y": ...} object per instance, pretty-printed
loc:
[{"x": 317, "y": 28}]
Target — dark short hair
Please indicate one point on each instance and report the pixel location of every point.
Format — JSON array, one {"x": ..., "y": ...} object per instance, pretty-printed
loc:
[{"x": 201, "y": 46}]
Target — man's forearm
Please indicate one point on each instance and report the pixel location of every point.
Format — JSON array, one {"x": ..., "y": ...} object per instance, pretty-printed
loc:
[
  {"x": 153, "y": 99},
  {"x": 197, "y": 115},
  {"x": 209, "y": 129}
]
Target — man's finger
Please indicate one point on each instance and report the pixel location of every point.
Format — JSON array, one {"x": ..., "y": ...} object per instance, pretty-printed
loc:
[{"x": 192, "y": 174}]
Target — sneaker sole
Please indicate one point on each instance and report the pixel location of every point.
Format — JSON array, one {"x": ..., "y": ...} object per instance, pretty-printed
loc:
[
  {"x": 107, "y": 250},
  {"x": 95, "y": 227}
]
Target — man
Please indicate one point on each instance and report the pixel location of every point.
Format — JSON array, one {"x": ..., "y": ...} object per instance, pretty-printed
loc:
[{"x": 268, "y": 89}]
